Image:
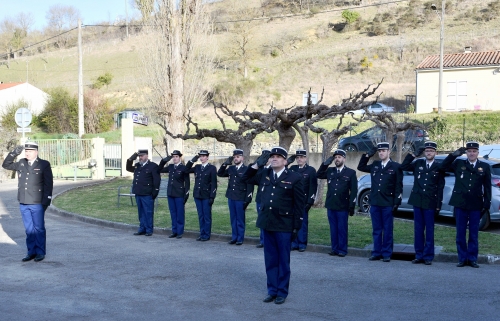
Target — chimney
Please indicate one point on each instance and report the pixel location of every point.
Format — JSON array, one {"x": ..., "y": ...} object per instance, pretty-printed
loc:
[{"x": 468, "y": 49}]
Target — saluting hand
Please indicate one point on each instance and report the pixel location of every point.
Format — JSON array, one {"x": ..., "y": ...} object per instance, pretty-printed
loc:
[
  {"x": 291, "y": 159},
  {"x": 195, "y": 159},
  {"x": 18, "y": 150},
  {"x": 262, "y": 160},
  {"x": 133, "y": 157},
  {"x": 459, "y": 152},
  {"x": 229, "y": 161},
  {"x": 167, "y": 159},
  {"x": 420, "y": 151},
  {"x": 329, "y": 161},
  {"x": 372, "y": 152}
]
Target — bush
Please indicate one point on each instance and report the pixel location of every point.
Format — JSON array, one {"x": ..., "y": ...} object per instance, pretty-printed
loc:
[
  {"x": 350, "y": 16},
  {"x": 8, "y": 114},
  {"x": 60, "y": 114},
  {"x": 103, "y": 80},
  {"x": 98, "y": 117}
]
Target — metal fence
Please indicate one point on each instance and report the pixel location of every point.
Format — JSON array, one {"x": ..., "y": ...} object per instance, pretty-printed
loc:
[
  {"x": 112, "y": 159},
  {"x": 61, "y": 152}
]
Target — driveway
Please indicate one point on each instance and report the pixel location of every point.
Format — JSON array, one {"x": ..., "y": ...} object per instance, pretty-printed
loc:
[{"x": 97, "y": 273}]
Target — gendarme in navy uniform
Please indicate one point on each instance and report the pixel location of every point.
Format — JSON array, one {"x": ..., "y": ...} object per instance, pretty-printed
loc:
[
  {"x": 145, "y": 186},
  {"x": 426, "y": 197},
  {"x": 204, "y": 191},
  {"x": 282, "y": 206},
  {"x": 471, "y": 198},
  {"x": 385, "y": 198},
  {"x": 177, "y": 191},
  {"x": 34, "y": 195},
  {"x": 310, "y": 183},
  {"x": 238, "y": 193},
  {"x": 340, "y": 199}
]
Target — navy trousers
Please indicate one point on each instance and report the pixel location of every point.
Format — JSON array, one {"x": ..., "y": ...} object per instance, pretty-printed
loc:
[
  {"x": 261, "y": 236},
  {"x": 382, "y": 225},
  {"x": 237, "y": 218},
  {"x": 177, "y": 214},
  {"x": 277, "y": 247},
  {"x": 145, "y": 205},
  {"x": 467, "y": 251},
  {"x": 301, "y": 241},
  {"x": 34, "y": 225},
  {"x": 424, "y": 233},
  {"x": 338, "y": 230},
  {"x": 204, "y": 217}
]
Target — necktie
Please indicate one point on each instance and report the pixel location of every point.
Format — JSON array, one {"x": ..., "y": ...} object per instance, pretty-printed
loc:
[
  {"x": 29, "y": 163},
  {"x": 427, "y": 166},
  {"x": 338, "y": 171},
  {"x": 275, "y": 177}
]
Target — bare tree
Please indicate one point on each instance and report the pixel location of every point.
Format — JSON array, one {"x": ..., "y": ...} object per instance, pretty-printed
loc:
[
  {"x": 177, "y": 56},
  {"x": 145, "y": 7},
  {"x": 61, "y": 18}
]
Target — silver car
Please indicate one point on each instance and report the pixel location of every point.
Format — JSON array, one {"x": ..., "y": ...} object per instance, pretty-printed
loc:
[{"x": 364, "y": 185}]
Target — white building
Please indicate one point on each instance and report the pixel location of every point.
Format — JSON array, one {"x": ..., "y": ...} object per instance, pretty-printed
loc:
[
  {"x": 11, "y": 93},
  {"x": 470, "y": 82}
]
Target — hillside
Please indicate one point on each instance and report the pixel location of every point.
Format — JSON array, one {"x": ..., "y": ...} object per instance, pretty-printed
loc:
[{"x": 287, "y": 55}]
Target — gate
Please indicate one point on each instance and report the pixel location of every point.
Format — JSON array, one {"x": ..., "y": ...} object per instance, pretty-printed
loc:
[
  {"x": 112, "y": 160},
  {"x": 69, "y": 158}
]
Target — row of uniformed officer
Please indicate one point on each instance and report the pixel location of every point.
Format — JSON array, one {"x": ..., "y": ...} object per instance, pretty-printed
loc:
[
  {"x": 145, "y": 186},
  {"x": 35, "y": 183},
  {"x": 282, "y": 206},
  {"x": 340, "y": 199},
  {"x": 204, "y": 191},
  {"x": 238, "y": 193},
  {"x": 385, "y": 198},
  {"x": 471, "y": 198},
  {"x": 310, "y": 183},
  {"x": 177, "y": 191},
  {"x": 426, "y": 197}
]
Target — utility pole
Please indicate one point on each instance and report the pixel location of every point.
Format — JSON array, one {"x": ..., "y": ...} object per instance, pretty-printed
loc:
[
  {"x": 81, "y": 128},
  {"x": 126, "y": 16}
]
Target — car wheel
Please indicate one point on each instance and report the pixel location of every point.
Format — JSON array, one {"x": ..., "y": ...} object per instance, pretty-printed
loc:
[
  {"x": 350, "y": 148},
  {"x": 484, "y": 222},
  {"x": 364, "y": 202}
]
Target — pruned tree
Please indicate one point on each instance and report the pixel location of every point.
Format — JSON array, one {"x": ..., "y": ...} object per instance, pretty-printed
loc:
[
  {"x": 242, "y": 137},
  {"x": 176, "y": 56}
]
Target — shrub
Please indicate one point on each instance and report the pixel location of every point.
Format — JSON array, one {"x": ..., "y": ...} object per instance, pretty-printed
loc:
[
  {"x": 350, "y": 16},
  {"x": 103, "y": 80},
  {"x": 60, "y": 114},
  {"x": 8, "y": 114},
  {"x": 98, "y": 117}
]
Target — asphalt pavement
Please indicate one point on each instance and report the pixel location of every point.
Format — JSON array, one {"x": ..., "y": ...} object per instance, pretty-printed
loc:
[{"x": 92, "y": 272}]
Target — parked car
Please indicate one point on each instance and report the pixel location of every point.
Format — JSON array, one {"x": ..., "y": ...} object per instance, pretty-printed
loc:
[
  {"x": 364, "y": 185},
  {"x": 363, "y": 142},
  {"x": 376, "y": 108}
]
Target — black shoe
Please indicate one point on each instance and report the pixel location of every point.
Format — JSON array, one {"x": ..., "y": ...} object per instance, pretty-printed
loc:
[
  {"x": 269, "y": 298},
  {"x": 259, "y": 246},
  {"x": 204, "y": 240},
  {"x": 40, "y": 257},
  {"x": 140, "y": 233},
  {"x": 178, "y": 236},
  {"x": 332, "y": 253},
  {"x": 386, "y": 259},
  {"x": 302, "y": 250},
  {"x": 418, "y": 261},
  {"x": 279, "y": 300},
  {"x": 460, "y": 264},
  {"x": 171, "y": 236},
  {"x": 28, "y": 257},
  {"x": 198, "y": 238},
  {"x": 239, "y": 243},
  {"x": 341, "y": 255},
  {"x": 374, "y": 258},
  {"x": 148, "y": 234},
  {"x": 471, "y": 264},
  {"x": 295, "y": 248},
  {"x": 232, "y": 242},
  {"x": 428, "y": 262}
]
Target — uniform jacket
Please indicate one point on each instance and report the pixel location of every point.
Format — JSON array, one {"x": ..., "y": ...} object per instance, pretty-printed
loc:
[
  {"x": 386, "y": 184},
  {"x": 472, "y": 190},
  {"x": 282, "y": 203},
  {"x": 236, "y": 189},
  {"x": 342, "y": 187},
  {"x": 146, "y": 178},
  {"x": 178, "y": 179},
  {"x": 309, "y": 181},
  {"x": 258, "y": 193},
  {"x": 35, "y": 182},
  {"x": 428, "y": 184},
  {"x": 205, "y": 180}
]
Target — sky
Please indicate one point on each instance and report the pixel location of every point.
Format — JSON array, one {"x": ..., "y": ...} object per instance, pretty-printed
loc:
[{"x": 91, "y": 11}]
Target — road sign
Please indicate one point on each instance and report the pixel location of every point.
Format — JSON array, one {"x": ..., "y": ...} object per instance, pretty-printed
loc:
[
  {"x": 24, "y": 130},
  {"x": 23, "y": 117}
]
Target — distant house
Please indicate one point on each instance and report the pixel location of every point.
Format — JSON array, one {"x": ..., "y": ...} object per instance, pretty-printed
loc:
[
  {"x": 11, "y": 93},
  {"x": 471, "y": 81}
]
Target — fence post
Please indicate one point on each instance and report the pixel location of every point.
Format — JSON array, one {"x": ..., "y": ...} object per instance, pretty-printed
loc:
[
  {"x": 128, "y": 146},
  {"x": 98, "y": 155}
]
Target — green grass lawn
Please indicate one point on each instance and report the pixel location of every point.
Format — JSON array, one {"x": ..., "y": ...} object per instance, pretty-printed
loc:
[{"x": 100, "y": 202}]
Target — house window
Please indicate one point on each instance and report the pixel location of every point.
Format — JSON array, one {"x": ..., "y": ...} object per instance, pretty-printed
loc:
[{"x": 457, "y": 95}]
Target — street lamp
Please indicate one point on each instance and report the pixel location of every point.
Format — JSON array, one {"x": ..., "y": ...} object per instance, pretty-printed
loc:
[{"x": 441, "y": 51}]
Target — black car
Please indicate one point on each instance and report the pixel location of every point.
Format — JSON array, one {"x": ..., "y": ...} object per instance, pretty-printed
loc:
[{"x": 364, "y": 141}]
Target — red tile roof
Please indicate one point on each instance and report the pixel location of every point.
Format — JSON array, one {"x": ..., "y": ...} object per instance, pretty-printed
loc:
[
  {"x": 8, "y": 85},
  {"x": 468, "y": 59}
]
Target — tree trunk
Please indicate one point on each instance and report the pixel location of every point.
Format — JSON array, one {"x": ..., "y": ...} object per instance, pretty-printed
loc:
[
  {"x": 303, "y": 136},
  {"x": 245, "y": 145},
  {"x": 400, "y": 139},
  {"x": 286, "y": 136}
]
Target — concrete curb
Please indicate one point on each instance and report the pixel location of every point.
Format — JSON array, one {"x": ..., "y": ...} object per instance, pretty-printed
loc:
[{"x": 441, "y": 257}]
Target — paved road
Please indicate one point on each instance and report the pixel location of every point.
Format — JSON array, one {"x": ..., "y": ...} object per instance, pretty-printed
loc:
[{"x": 98, "y": 273}]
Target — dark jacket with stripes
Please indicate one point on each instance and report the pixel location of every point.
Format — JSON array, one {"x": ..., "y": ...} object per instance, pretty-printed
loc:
[
  {"x": 205, "y": 180},
  {"x": 146, "y": 178},
  {"x": 342, "y": 187},
  {"x": 178, "y": 179},
  {"x": 237, "y": 190},
  {"x": 309, "y": 181}
]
